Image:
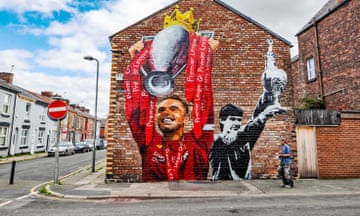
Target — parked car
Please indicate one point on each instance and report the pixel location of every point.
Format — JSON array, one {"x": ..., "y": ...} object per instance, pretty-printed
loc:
[
  {"x": 65, "y": 148},
  {"x": 82, "y": 147},
  {"x": 100, "y": 144},
  {"x": 90, "y": 143}
]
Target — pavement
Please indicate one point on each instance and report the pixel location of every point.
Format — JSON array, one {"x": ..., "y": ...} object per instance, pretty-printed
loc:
[{"x": 86, "y": 185}]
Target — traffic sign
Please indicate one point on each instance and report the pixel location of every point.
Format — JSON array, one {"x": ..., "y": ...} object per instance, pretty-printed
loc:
[{"x": 57, "y": 110}]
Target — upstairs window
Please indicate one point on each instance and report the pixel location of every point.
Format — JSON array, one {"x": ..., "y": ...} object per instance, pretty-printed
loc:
[
  {"x": 310, "y": 66},
  {"x": 6, "y": 104},
  {"x": 42, "y": 116},
  {"x": 28, "y": 110}
]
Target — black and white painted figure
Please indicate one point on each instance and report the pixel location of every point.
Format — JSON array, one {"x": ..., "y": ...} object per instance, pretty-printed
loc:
[{"x": 230, "y": 155}]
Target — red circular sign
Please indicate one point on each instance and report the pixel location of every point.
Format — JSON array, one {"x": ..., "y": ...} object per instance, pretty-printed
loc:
[{"x": 57, "y": 109}]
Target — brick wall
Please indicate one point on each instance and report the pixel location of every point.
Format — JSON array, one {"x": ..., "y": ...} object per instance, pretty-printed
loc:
[
  {"x": 339, "y": 150},
  {"x": 236, "y": 76},
  {"x": 337, "y": 62},
  {"x": 338, "y": 39}
]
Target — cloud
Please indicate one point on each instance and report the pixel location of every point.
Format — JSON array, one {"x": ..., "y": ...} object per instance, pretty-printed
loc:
[
  {"x": 60, "y": 67},
  {"x": 45, "y": 8},
  {"x": 21, "y": 59},
  {"x": 80, "y": 90},
  {"x": 283, "y": 17}
]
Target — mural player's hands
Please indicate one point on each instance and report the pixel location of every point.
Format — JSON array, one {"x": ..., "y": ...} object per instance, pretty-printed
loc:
[
  {"x": 270, "y": 111},
  {"x": 135, "y": 48},
  {"x": 214, "y": 44}
]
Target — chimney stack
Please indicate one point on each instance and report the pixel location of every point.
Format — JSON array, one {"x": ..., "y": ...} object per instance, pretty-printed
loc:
[
  {"x": 47, "y": 93},
  {"x": 7, "y": 77}
]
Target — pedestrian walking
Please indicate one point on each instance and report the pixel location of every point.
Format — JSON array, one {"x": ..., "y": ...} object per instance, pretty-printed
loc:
[{"x": 285, "y": 165}]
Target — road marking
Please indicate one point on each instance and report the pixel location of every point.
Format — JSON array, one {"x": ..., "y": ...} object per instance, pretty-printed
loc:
[
  {"x": 6, "y": 203},
  {"x": 17, "y": 199}
]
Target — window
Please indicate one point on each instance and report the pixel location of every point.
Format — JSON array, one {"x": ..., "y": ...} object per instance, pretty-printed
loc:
[
  {"x": 6, "y": 105},
  {"x": 3, "y": 135},
  {"x": 28, "y": 108},
  {"x": 24, "y": 135},
  {"x": 42, "y": 116},
  {"x": 78, "y": 123},
  {"x": 41, "y": 137},
  {"x": 310, "y": 68}
]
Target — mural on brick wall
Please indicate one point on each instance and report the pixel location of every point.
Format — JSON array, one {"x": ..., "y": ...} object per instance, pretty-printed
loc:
[
  {"x": 230, "y": 155},
  {"x": 176, "y": 140},
  {"x": 158, "y": 117}
]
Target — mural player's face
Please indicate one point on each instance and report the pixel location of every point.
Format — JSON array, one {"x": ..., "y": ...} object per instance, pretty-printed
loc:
[
  {"x": 231, "y": 127},
  {"x": 171, "y": 117}
]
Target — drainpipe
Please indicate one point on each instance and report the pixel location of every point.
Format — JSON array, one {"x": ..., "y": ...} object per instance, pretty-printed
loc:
[
  {"x": 317, "y": 50},
  {"x": 12, "y": 126}
]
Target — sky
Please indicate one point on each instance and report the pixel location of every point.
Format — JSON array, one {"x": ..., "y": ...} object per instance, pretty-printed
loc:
[{"x": 43, "y": 42}]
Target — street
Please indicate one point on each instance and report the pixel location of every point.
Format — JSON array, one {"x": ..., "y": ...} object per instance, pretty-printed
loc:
[
  {"x": 269, "y": 206},
  {"x": 30, "y": 173},
  {"x": 17, "y": 200}
]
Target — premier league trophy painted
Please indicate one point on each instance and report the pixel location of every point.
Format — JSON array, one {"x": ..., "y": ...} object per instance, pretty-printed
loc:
[{"x": 274, "y": 80}]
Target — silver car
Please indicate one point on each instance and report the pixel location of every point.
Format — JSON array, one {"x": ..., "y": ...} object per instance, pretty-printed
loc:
[{"x": 65, "y": 148}]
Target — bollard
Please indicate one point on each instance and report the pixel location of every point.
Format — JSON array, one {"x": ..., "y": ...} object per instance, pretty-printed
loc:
[{"x": 12, "y": 172}]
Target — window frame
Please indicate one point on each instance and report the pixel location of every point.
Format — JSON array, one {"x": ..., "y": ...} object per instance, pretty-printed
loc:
[
  {"x": 7, "y": 104},
  {"x": 40, "y": 137},
  {"x": 3, "y": 135},
  {"x": 310, "y": 69},
  {"x": 24, "y": 136}
]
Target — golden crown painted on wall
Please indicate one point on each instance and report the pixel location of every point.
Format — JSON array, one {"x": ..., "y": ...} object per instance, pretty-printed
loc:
[{"x": 185, "y": 19}]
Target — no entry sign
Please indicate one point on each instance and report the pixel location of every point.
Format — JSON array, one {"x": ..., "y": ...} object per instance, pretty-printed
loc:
[{"x": 57, "y": 110}]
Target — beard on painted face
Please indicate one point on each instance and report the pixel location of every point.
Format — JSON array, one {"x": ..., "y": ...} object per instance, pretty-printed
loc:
[{"x": 170, "y": 116}]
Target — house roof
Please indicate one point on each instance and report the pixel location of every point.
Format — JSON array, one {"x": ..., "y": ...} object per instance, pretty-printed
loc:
[
  {"x": 19, "y": 90},
  {"x": 5, "y": 85},
  {"x": 328, "y": 8},
  {"x": 229, "y": 7}
]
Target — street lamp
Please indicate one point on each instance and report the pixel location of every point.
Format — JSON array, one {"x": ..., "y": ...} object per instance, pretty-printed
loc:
[{"x": 90, "y": 58}]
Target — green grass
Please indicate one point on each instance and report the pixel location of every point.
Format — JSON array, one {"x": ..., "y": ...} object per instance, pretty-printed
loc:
[
  {"x": 43, "y": 190},
  {"x": 98, "y": 169}
]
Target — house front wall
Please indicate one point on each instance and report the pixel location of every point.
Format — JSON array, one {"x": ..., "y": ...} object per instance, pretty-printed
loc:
[
  {"x": 333, "y": 42},
  {"x": 237, "y": 68},
  {"x": 39, "y": 132},
  {"x": 33, "y": 131},
  {"x": 7, "y": 99},
  {"x": 339, "y": 50}
]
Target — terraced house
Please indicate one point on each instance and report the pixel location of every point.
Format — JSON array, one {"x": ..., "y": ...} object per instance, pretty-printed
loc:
[{"x": 25, "y": 126}]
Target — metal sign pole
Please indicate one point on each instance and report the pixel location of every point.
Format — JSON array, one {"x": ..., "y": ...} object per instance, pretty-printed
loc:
[{"x": 56, "y": 176}]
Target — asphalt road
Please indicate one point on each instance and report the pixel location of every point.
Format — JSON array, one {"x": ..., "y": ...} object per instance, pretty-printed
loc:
[
  {"x": 30, "y": 173},
  {"x": 15, "y": 199},
  {"x": 268, "y": 206}
]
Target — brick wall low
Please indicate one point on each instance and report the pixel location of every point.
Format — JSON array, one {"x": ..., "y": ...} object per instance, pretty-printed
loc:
[{"x": 339, "y": 150}]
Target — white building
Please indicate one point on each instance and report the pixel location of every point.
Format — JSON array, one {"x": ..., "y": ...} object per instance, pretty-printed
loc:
[{"x": 24, "y": 124}]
